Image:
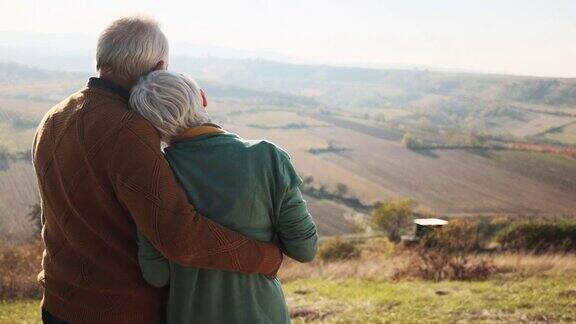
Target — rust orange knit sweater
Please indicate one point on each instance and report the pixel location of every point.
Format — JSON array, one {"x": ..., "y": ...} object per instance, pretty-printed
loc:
[{"x": 101, "y": 174}]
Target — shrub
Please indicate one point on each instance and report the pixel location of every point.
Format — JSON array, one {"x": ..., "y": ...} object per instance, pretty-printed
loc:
[
  {"x": 338, "y": 249},
  {"x": 357, "y": 223},
  {"x": 446, "y": 254},
  {"x": 489, "y": 227},
  {"x": 458, "y": 237},
  {"x": 539, "y": 236},
  {"x": 377, "y": 247}
]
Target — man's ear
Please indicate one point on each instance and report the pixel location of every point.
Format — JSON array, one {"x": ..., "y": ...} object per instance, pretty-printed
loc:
[
  {"x": 204, "y": 99},
  {"x": 159, "y": 66}
]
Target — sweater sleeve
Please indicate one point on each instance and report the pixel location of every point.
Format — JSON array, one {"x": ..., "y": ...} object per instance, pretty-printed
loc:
[
  {"x": 295, "y": 228},
  {"x": 154, "y": 266},
  {"x": 145, "y": 185}
]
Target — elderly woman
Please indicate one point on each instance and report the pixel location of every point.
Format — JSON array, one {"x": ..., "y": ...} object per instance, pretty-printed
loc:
[{"x": 248, "y": 186}]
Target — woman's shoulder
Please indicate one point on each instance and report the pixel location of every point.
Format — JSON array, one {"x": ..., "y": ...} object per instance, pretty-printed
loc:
[{"x": 269, "y": 148}]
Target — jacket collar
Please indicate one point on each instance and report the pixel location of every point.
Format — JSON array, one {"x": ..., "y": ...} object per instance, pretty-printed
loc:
[
  {"x": 204, "y": 129},
  {"x": 109, "y": 86}
]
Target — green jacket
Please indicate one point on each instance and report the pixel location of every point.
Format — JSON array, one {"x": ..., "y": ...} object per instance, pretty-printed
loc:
[{"x": 252, "y": 188}]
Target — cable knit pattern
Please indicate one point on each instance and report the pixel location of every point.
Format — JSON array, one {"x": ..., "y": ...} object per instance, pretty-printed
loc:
[{"x": 101, "y": 175}]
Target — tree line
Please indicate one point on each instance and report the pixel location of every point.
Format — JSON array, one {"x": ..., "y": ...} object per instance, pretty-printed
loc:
[{"x": 7, "y": 157}]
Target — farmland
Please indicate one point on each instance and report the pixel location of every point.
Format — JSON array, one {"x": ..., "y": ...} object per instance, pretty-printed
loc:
[
  {"x": 565, "y": 134},
  {"x": 346, "y": 126},
  {"x": 453, "y": 182}
]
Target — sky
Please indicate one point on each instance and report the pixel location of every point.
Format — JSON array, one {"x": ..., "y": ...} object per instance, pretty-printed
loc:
[{"x": 525, "y": 37}]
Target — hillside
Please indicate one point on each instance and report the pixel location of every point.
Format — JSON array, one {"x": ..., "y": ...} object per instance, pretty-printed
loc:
[
  {"x": 454, "y": 182},
  {"x": 347, "y": 125}
]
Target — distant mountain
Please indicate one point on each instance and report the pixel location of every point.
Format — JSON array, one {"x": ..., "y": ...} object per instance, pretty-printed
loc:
[
  {"x": 368, "y": 87},
  {"x": 74, "y": 52},
  {"x": 332, "y": 86},
  {"x": 15, "y": 73}
]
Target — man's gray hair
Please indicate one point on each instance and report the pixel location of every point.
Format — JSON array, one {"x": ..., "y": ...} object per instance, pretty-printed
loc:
[
  {"x": 131, "y": 47},
  {"x": 171, "y": 102}
]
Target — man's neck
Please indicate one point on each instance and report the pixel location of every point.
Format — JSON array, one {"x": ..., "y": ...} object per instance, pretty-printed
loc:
[{"x": 125, "y": 83}]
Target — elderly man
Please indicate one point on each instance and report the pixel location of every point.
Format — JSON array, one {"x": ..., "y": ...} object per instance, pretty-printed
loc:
[{"x": 102, "y": 175}]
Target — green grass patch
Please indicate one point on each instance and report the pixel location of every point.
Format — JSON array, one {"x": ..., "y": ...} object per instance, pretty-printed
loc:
[
  {"x": 364, "y": 301},
  {"x": 21, "y": 312},
  {"x": 415, "y": 301}
]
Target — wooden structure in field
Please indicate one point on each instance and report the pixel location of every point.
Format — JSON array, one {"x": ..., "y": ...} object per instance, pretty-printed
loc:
[{"x": 426, "y": 225}]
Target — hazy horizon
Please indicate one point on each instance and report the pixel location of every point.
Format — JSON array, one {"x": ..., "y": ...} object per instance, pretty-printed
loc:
[{"x": 516, "y": 37}]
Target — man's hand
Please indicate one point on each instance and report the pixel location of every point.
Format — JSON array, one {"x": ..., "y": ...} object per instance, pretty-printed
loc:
[{"x": 271, "y": 259}]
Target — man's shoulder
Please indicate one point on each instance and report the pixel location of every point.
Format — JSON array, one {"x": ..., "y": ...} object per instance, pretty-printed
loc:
[
  {"x": 86, "y": 100},
  {"x": 60, "y": 113},
  {"x": 101, "y": 111},
  {"x": 72, "y": 100},
  {"x": 115, "y": 111}
]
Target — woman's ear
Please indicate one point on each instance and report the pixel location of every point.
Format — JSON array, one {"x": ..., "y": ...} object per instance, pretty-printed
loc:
[{"x": 204, "y": 99}]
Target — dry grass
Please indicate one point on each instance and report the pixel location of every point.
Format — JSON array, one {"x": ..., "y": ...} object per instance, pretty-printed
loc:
[
  {"x": 18, "y": 191},
  {"x": 374, "y": 269},
  {"x": 20, "y": 264},
  {"x": 528, "y": 265},
  {"x": 19, "y": 267},
  {"x": 532, "y": 288},
  {"x": 383, "y": 268}
]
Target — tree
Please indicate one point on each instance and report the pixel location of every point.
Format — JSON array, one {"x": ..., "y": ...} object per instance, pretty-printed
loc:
[
  {"x": 409, "y": 141},
  {"x": 472, "y": 139},
  {"x": 341, "y": 189},
  {"x": 307, "y": 180},
  {"x": 393, "y": 217},
  {"x": 4, "y": 158},
  {"x": 322, "y": 191},
  {"x": 35, "y": 217},
  {"x": 381, "y": 118}
]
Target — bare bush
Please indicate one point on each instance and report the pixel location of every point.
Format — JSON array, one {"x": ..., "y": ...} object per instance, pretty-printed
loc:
[
  {"x": 19, "y": 267},
  {"x": 446, "y": 254}
]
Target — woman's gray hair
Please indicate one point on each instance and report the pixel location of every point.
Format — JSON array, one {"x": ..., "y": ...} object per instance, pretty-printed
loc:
[
  {"x": 131, "y": 47},
  {"x": 171, "y": 102}
]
